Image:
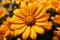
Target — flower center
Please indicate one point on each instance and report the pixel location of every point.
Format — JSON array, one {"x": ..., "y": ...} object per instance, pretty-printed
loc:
[{"x": 30, "y": 20}]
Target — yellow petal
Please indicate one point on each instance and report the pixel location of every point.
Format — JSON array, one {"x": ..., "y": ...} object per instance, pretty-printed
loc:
[
  {"x": 40, "y": 8},
  {"x": 7, "y": 33},
  {"x": 43, "y": 18},
  {"x": 34, "y": 4},
  {"x": 41, "y": 24},
  {"x": 33, "y": 34},
  {"x": 34, "y": 9},
  {"x": 15, "y": 19},
  {"x": 44, "y": 1},
  {"x": 19, "y": 31},
  {"x": 41, "y": 14},
  {"x": 18, "y": 38},
  {"x": 4, "y": 38},
  {"x": 58, "y": 28},
  {"x": 38, "y": 29},
  {"x": 18, "y": 13},
  {"x": 26, "y": 33},
  {"x": 30, "y": 8},
  {"x": 24, "y": 8},
  {"x": 48, "y": 26},
  {"x": 16, "y": 26}
]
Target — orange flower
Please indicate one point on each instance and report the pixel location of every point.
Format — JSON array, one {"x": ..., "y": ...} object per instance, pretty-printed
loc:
[
  {"x": 4, "y": 30},
  {"x": 29, "y": 20},
  {"x": 55, "y": 38},
  {"x": 57, "y": 34},
  {"x": 2, "y": 12},
  {"x": 52, "y": 3},
  {"x": 58, "y": 10},
  {"x": 56, "y": 19}
]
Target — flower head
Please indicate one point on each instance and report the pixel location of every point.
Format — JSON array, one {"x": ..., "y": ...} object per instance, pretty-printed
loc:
[
  {"x": 29, "y": 20},
  {"x": 2, "y": 12},
  {"x": 4, "y": 30},
  {"x": 18, "y": 1},
  {"x": 57, "y": 34},
  {"x": 52, "y": 3},
  {"x": 5, "y": 2},
  {"x": 56, "y": 19}
]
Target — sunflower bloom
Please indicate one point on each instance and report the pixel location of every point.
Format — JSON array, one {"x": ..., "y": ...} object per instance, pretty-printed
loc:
[
  {"x": 29, "y": 20},
  {"x": 2, "y": 12},
  {"x": 4, "y": 30}
]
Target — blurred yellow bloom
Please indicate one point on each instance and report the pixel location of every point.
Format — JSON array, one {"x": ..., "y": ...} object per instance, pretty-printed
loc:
[
  {"x": 56, "y": 19},
  {"x": 57, "y": 34},
  {"x": 29, "y": 20},
  {"x": 18, "y": 1},
  {"x": 4, "y": 30},
  {"x": 2, "y": 12},
  {"x": 18, "y": 38},
  {"x": 52, "y": 3},
  {"x": 5, "y": 2},
  {"x": 55, "y": 38},
  {"x": 58, "y": 10}
]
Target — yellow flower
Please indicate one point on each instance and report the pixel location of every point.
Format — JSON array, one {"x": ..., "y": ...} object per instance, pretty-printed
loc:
[
  {"x": 29, "y": 20},
  {"x": 5, "y": 2},
  {"x": 58, "y": 10},
  {"x": 2, "y": 12},
  {"x": 55, "y": 38},
  {"x": 52, "y": 3},
  {"x": 56, "y": 19},
  {"x": 18, "y": 1},
  {"x": 18, "y": 38},
  {"x": 4, "y": 30},
  {"x": 55, "y": 3},
  {"x": 57, "y": 34}
]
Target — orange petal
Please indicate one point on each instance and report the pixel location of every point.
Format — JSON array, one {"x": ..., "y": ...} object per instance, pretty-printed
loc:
[
  {"x": 15, "y": 19},
  {"x": 43, "y": 12},
  {"x": 18, "y": 38},
  {"x": 24, "y": 7},
  {"x": 38, "y": 29},
  {"x": 41, "y": 24},
  {"x": 33, "y": 34},
  {"x": 30, "y": 8},
  {"x": 19, "y": 31},
  {"x": 43, "y": 18},
  {"x": 26, "y": 33},
  {"x": 18, "y": 13},
  {"x": 4, "y": 38},
  {"x": 16, "y": 26},
  {"x": 2, "y": 12},
  {"x": 40, "y": 8}
]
